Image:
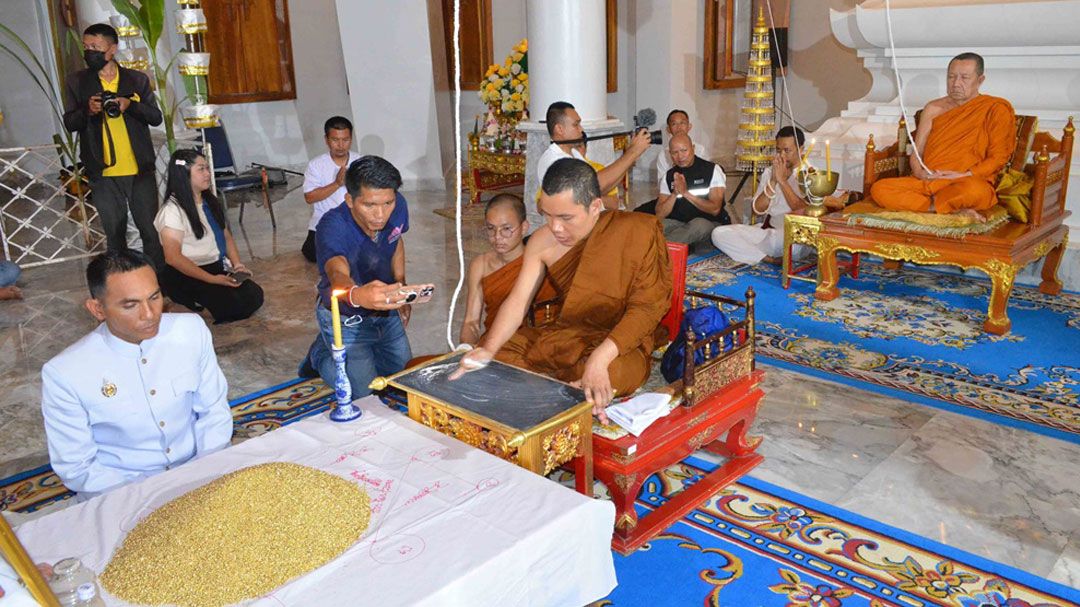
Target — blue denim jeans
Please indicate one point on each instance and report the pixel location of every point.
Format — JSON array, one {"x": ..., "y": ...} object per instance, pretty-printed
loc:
[
  {"x": 9, "y": 273},
  {"x": 374, "y": 346}
]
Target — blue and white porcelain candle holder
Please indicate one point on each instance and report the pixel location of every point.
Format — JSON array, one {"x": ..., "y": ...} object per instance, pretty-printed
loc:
[{"x": 345, "y": 411}]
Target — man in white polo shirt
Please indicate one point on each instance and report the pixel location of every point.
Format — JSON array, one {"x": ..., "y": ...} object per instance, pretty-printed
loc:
[
  {"x": 564, "y": 124},
  {"x": 324, "y": 179},
  {"x": 678, "y": 123}
]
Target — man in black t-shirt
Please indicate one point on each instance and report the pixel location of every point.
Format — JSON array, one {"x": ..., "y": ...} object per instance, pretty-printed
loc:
[{"x": 691, "y": 201}]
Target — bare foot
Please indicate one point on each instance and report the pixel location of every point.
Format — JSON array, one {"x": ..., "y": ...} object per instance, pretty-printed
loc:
[
  {"x": 11, "y": 292},
  {"x": 776, "y": 261},
  {"x": 971, "y": 214}
]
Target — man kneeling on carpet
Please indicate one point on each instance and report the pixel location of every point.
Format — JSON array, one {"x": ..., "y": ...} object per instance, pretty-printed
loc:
[
  {"x": 360, "y": 247},
  {"x": 777, "y": 196},
  {"x": 139, "y": 394},
  {"x": 613, "y": 274}
]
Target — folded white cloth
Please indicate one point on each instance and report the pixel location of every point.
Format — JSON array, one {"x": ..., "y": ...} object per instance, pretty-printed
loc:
[{"x": 636, "y": 414}]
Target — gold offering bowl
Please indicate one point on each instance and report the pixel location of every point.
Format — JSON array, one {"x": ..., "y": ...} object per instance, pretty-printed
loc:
[{"x": 816, "y": 186}]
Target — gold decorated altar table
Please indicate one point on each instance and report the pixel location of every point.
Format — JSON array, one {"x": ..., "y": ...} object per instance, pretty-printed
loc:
[
  {"x": 522, "y": 417},
  {"x": 494, "y": 171}
]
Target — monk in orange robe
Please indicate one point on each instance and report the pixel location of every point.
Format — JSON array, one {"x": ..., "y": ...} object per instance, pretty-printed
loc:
[
  {"x": 964, "y": 140},
  {"x": 491, "y": 275},
  {"x": 613, "y": 276}
]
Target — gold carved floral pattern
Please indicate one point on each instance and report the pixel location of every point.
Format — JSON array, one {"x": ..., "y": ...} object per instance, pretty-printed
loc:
[
  {"x": 467, "y": 432},
  {"x": 561, "y": 446},
  {"x": 623, "y": 481},
  {"x": 714, "y": 375},
  {"x": 906, "y": 252}
]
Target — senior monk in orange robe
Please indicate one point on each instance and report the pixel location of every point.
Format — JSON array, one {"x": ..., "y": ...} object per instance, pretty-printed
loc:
[
  {"x": 491, "y": 275},
  {"x": 964, "y": 139},
  {"x": 613, "y": 275}
]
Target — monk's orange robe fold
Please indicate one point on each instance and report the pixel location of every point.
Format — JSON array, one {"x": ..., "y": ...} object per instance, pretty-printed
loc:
[
  {"x": 497, "y": 286},
  {"x": 615, "y": 284},
  {"x": 978, "y": 136}
]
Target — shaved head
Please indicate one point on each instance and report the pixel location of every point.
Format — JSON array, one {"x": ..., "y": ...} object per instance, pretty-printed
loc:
[
  {"x": 682, "y": 150},
  {"x": 507, "y": 201}
]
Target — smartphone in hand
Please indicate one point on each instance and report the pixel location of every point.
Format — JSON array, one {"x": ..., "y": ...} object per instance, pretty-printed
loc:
[
  {"x": 417, "y": 293},
  {"x": 240, "y": 276}
]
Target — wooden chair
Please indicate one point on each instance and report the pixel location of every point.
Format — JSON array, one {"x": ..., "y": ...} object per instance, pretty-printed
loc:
[{"x": 1000, "y": 253}]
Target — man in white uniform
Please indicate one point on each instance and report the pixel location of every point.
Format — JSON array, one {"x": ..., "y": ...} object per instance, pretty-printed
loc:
[
  {"x": 777, "y": 195},
  {"x": 564, "y": 124},
  {"x": 139, "y": 394},
  {"x": 324, "y": 179}
]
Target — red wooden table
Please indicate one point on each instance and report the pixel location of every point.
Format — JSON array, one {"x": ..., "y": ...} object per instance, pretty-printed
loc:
[{"x": 718, "y": 424}]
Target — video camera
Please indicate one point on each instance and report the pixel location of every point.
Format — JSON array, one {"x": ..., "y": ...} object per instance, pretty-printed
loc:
[{"x": 642, "y": 120}]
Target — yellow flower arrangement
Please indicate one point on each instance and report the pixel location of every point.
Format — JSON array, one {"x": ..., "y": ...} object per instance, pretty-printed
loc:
[{"x": 506, "y": 87}]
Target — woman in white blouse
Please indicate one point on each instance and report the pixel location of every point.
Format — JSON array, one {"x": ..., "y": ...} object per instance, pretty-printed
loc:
[{"x": 198, "y": 243}]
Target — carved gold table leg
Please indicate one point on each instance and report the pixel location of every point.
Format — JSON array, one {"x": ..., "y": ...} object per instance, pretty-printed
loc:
[
  {"x": 785, "y": 279},
  {"x": 1001, "y": 279},
  {"x": 1050, "y": 284},
  {"x": 828, "y": 273}
]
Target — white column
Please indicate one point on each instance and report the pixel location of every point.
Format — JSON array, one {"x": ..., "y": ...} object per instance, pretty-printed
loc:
[{"x": 568, "y": 56}]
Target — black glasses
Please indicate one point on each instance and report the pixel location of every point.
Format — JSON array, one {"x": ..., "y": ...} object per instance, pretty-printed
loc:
[{"x": 504, "y": 231}]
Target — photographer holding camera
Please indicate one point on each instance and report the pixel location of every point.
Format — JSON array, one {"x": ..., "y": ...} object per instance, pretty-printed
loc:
[{"x": 112, "y": 109}]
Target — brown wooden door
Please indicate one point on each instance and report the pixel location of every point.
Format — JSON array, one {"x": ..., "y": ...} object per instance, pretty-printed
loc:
[{"x": 251, "y": 52}]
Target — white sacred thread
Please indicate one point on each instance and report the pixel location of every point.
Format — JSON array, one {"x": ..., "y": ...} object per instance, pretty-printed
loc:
[
  {"x": 900, "y": 90},
  {"x": 457, "y": 173},
  {"x": 783, "y": 76}
]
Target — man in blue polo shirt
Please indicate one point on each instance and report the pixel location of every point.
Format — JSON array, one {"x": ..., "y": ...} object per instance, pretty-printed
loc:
[{"x": 360, "y": 252}]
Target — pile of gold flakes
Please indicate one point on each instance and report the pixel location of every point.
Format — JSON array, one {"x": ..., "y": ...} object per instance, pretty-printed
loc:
[{"x": 238, "y": 537}]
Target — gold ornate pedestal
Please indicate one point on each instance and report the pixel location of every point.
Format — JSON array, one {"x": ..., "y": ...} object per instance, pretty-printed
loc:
[
  {"x": 494, "y": 171},
  {"x": 562, "y": 438}
]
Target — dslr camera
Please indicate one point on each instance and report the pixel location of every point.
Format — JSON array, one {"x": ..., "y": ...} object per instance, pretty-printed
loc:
[{"x": 110, "y": 103}]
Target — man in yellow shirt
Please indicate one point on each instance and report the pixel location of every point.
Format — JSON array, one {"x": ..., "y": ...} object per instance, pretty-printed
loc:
[{"x": 112, "y": 109}]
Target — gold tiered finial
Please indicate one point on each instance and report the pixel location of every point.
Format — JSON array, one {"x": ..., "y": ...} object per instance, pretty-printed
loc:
[{"x": 758, "y": 117}]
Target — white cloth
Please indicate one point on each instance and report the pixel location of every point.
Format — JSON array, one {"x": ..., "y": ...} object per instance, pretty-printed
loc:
[
  {"x": 664, "y": 162},
  {"x": 718, "y": 180},
  {"x": 321, "y": 172},
  {"x": 451, "y": 525},
  {"x": 638, "y": 413},
  {"x": 750, "y": 244},
  {"x": 15, "y": 594},
  {"x": 201, "y": 251},
  {"x": 167, "y": 405}
]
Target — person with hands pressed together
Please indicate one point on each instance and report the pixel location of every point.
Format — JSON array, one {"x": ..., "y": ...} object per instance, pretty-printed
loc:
[
  {"x": 691, "y": 201},
  {"x": 324, "y": 178},
  {"x": 613, "y": 297},
  {"x": 360, "y": 253},
  {"x": 197, "y": 242},
  {"x": 777, "y": 195}
]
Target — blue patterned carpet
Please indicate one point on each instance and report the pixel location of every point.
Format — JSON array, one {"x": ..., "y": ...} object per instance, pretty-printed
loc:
[
  {"x": 917, "y": 334},
  {"x": 755, "y": 544}
]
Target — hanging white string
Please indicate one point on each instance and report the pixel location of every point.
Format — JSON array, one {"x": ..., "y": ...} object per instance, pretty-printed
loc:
[
  {"x": 900, "y": 89},
  {"x": 783, "y": 77},
  {"x": 457, "y": 173}
]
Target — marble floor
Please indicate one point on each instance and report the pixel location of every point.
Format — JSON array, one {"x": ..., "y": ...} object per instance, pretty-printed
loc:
[{"x": 1002, "y": 493}]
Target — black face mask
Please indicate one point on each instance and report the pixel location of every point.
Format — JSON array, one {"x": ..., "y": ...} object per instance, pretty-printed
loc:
[{"x": 95, "y": 60}]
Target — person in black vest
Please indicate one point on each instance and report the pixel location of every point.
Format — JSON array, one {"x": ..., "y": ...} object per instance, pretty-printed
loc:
[
  {"x": 112, "y": 109},
  {"x": 691, "y": 201}
]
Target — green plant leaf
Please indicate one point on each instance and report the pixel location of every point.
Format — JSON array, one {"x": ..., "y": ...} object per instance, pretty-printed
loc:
[
  {"x": 154, "y": 11},
  {"x": 49, "y": 93}
]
